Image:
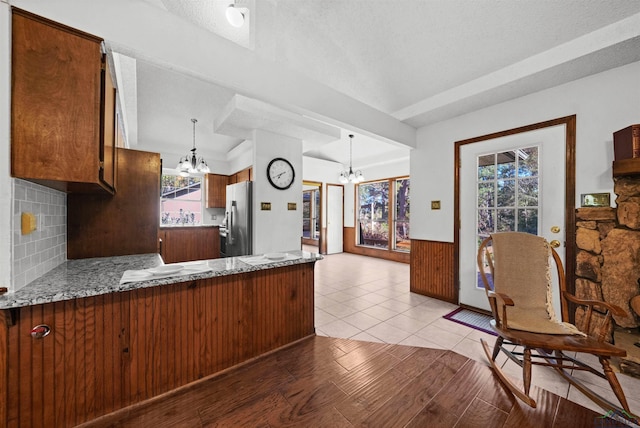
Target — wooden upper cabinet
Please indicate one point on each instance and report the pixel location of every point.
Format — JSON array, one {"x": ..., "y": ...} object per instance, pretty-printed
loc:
[
  {"x": 122, "y": 224},
  {"x": 109, "y": 131},
  {"x": 59, "y": 85},
  {"x": 240, "y": 176},
  {"x": 216, "y": 191},
  {"x": 244, "y": 175}
]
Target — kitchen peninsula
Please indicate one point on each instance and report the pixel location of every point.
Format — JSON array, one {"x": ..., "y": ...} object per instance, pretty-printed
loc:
[{"x": 112, "y": 345}]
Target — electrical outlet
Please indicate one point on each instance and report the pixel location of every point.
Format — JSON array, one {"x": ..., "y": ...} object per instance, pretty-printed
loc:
[{"x": 214, "y": 217}]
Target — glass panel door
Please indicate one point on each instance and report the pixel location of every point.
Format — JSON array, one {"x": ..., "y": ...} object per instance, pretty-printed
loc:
[{"x": 509, "y": 183}]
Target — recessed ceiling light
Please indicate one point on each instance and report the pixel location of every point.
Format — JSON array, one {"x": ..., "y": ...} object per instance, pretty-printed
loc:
[{"x": 235, "y": 16}]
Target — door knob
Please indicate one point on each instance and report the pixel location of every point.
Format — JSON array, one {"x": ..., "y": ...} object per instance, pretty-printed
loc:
[
  {"x": 555, "y": 243},
  {"x": 555, "y": 229}
]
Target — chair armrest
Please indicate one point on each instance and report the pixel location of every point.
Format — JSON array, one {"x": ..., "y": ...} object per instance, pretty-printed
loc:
[
  {"x": 505, "y": 299},
  {"x": 614, "y": 309},
  {"x": 501, "y": 320}
]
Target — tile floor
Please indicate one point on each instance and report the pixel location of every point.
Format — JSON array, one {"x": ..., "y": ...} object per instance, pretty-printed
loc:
[{"x": 365, "y": 298}]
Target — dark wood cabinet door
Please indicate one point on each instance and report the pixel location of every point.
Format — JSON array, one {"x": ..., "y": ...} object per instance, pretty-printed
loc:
[
  {"x": 108, "y": 157},
  {"x": 122, "y": 224},
  {"x": 55, "y": 104},
  {"x": 216, "y": 191},
  {"x": 244, "y": 175}
]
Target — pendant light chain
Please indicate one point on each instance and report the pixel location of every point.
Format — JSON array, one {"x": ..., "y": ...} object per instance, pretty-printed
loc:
[
  {"x": 194, "y": 134},
  {"x": 350, "y": 152},
  {"x": 349, "y": 176}
]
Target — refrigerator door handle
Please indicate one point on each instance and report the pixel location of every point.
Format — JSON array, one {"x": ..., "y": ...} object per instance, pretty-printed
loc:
[{"x": 230, "y": 229}]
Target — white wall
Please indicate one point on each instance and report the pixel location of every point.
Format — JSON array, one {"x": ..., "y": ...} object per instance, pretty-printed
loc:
[
  {"x": 279, "y": 229},
  {"x": 603, "y": 103},
  {"x": 6, "y": 182},
  {"x": 321, "y": 171}
]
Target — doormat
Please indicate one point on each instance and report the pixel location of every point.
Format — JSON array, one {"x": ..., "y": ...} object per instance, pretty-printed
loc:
[{"x": 471, "y": 319}]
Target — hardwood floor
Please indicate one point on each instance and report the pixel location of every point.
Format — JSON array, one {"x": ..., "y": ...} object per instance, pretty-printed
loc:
[{"x": 328, "y": 382}]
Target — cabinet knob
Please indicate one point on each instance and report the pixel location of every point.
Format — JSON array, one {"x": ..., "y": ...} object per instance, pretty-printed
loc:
[{"x": 40, "y": 331}]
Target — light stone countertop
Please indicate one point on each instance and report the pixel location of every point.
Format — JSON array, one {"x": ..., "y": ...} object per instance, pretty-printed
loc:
[{"x": 95, "y": 276}]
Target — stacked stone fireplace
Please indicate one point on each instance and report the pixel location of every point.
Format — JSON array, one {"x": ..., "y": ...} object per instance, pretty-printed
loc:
[{"x": 608, "y": 253}]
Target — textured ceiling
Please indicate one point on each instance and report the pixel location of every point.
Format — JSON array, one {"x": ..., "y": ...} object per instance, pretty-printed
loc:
[
  {"x": 392, "y": 54},
  {"x": 419, "y": 61}
]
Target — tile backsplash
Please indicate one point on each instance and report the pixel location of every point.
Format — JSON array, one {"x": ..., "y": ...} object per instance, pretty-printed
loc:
[{"x": 44, "y": 249}]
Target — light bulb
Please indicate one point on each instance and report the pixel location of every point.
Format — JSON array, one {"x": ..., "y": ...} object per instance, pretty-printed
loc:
[
  {"x": 180, "y": 164},
  {"x": 186, "y": 164},
  {"x": 203, "y": 167},
  {"x": 234, "y": 16}
]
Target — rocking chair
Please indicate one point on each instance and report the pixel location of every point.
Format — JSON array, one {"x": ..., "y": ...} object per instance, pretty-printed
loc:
[{"x": 515, "y": 269}]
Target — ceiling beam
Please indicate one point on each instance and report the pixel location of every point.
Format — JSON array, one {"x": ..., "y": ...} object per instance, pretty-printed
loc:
[{"x": 603, "y": 38}]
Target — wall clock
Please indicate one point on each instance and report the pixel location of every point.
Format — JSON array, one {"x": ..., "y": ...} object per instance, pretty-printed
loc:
[{"x": 280, "y": 173}]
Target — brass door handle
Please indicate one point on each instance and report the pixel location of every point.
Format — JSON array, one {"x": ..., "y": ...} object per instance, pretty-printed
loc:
[{"x": 555, "y": 243}]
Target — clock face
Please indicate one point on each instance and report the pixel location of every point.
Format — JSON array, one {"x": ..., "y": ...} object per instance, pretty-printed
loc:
[{"x": 280, "y": 173}]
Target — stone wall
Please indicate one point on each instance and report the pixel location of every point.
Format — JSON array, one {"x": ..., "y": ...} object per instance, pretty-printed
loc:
[{"x": 608, "y": 251}]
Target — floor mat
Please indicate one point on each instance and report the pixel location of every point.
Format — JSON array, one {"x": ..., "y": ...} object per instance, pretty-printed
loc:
[{"x": 471, "y": 319}]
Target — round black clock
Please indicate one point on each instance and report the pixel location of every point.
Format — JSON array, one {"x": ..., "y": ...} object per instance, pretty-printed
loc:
[{"x": 280, "y": 173}]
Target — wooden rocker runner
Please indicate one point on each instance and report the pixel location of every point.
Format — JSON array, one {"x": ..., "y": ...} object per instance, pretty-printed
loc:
[{"x": 515, "y": 269}]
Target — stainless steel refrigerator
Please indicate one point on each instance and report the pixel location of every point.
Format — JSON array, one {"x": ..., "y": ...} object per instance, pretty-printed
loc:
[{"x": 236, "y": 232}]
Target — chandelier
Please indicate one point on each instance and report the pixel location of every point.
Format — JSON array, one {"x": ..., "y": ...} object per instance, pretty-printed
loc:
[
  {"x": 190, "y": 163},
  {"x": 349, "y": 176}
]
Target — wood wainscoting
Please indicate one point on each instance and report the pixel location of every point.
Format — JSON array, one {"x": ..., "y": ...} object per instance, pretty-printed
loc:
[
  {"x": 111, "y": 351},
  {"x": 433, "y": 270},
  {"x": 349, "y": 246}
]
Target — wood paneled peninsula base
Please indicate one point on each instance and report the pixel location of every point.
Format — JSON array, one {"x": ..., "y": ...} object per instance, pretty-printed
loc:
[{"x": 112, "y": 346}]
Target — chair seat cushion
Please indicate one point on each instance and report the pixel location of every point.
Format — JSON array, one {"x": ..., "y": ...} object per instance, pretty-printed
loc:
[{"x": 559, "y": 342}]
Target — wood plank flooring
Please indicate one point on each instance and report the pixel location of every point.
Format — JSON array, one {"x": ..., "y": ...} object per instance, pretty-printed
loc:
[{"x": 327, "y": 382}]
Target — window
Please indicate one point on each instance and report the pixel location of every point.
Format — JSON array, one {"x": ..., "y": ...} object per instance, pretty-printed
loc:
[
  {"x": 310, "y": 216},
  {"x": 374, "y": 214},
  {"x": 508, "y": 192},
  {"x": 180, "y": 200},
  {"x": 402, "y": 241},
  {"x": 374, "y": 201},
  {"x": 507, "y": 189}
]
